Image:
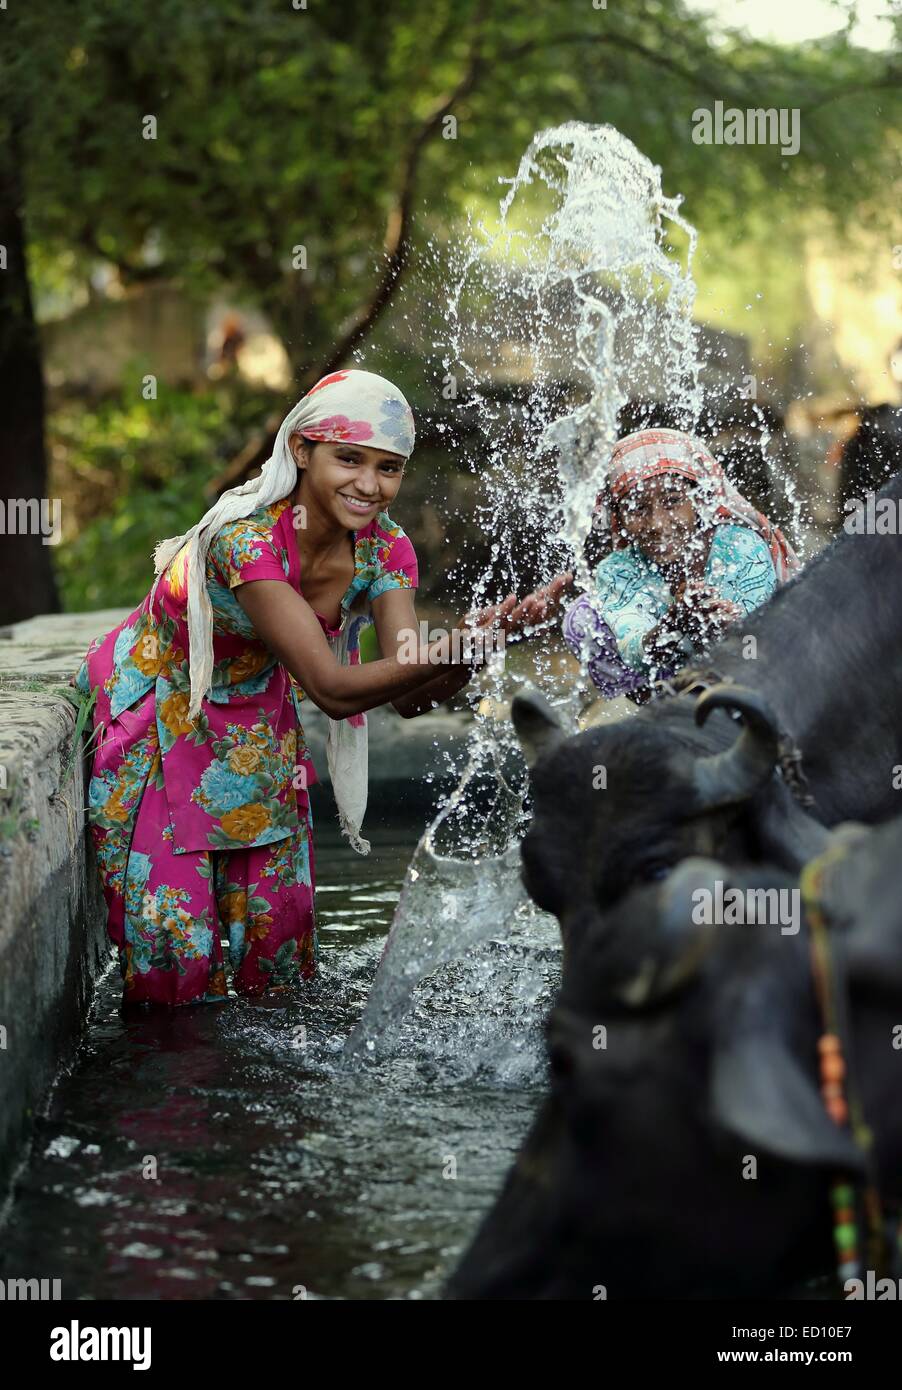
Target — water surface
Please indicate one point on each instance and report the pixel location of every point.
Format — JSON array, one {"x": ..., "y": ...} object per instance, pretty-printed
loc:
[{"x": 283, "y": 1171}]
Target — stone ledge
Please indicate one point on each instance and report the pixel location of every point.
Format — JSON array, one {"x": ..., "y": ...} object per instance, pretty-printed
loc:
[
  {"x": 47, "y": 650},
  {"x": 52, "y": 932},
  {"x": 53, "y": 938}
]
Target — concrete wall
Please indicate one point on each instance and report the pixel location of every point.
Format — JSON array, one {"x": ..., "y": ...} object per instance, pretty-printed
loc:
[
  {"x": 52, "y": 941},
  {"x": 159, "y": 328}
]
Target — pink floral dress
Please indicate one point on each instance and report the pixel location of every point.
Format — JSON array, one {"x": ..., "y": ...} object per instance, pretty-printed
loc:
[{"x": 204, "y": 828}]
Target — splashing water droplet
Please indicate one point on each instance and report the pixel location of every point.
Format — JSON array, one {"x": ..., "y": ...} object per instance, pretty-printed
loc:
[{"x": 575, "y": 301}]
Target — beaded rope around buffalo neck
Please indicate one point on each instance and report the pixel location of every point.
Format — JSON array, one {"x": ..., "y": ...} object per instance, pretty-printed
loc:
[
  {"x": 841, "y": 1096},
  {"x": 841, "y": 1103}
]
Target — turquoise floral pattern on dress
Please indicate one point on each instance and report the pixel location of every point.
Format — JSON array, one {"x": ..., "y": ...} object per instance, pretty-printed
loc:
[{"x": 634, "y": 595}]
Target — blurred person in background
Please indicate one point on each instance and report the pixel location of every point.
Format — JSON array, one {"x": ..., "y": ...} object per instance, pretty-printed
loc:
[{"x": 685, "y": 555}]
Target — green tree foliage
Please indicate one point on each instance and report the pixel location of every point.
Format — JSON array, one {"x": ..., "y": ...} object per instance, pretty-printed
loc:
[
  {"x": 324, "y": 127},
  {"x": 131, "y": 472}
]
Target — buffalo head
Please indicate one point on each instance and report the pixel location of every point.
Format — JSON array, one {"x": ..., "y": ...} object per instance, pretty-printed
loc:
[
  {"x": 624, "y": 803},
  {"x": 684, "y": 1150}
]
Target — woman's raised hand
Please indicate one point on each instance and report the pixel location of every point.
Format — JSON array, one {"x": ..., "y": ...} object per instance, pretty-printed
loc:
[
  {"x": 702, "y": 613},
  {"x": 542, "y": 606},
  {"x": 514, "y": 615}
]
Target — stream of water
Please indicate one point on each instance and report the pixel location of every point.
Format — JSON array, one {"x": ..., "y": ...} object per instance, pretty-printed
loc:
[{"x": 589, "y": 264}]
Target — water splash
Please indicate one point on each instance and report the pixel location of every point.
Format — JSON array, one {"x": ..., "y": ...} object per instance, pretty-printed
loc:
[
  {"x": 627, "y": 296},
  {"x": 580, "y": 286},
  {"x": 448, "y": 903}
]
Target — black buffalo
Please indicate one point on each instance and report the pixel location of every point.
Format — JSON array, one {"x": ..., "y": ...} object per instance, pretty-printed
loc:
[
  {"x": 625, "y": 802},
  {"x": 636, "y": 1180}
]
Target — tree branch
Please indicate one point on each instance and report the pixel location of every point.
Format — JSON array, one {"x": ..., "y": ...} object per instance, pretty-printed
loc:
[
  {"x": 397, "y": 234},
  {"x": 397, "y": 237},
  {"x": 397, "y": 249},
  {"x": 892, "y": 79}
]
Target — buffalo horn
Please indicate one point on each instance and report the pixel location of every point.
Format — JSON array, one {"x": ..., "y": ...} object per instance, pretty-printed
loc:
[{"x": 734, "y": 775}]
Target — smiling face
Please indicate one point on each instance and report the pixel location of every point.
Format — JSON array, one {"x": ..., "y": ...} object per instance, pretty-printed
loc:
[
  {"x": 343, "y": 483},
  {"x": 659, "y": 518}
]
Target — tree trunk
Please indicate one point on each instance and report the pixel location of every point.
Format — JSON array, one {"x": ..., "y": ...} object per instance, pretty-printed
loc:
[{"x": 27, "y": 585}]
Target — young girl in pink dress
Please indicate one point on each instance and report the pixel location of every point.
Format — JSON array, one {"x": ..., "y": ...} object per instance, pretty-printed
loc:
[{"x": 198, "y": 802}]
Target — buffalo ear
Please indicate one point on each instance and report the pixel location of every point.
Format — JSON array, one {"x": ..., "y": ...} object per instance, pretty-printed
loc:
[
  {"x": 760, "y": 1093},
  {"x": 536, "y": 724}
]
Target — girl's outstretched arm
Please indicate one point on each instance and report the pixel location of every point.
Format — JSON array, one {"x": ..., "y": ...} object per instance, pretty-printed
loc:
[
  {"x": 542, "y": 607},
  {"x": 291, "y": 630},
  {"x": 396, "y": 619}
]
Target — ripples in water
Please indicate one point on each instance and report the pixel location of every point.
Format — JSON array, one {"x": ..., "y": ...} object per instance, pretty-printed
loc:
[{"x": 234, "y": 1152}]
